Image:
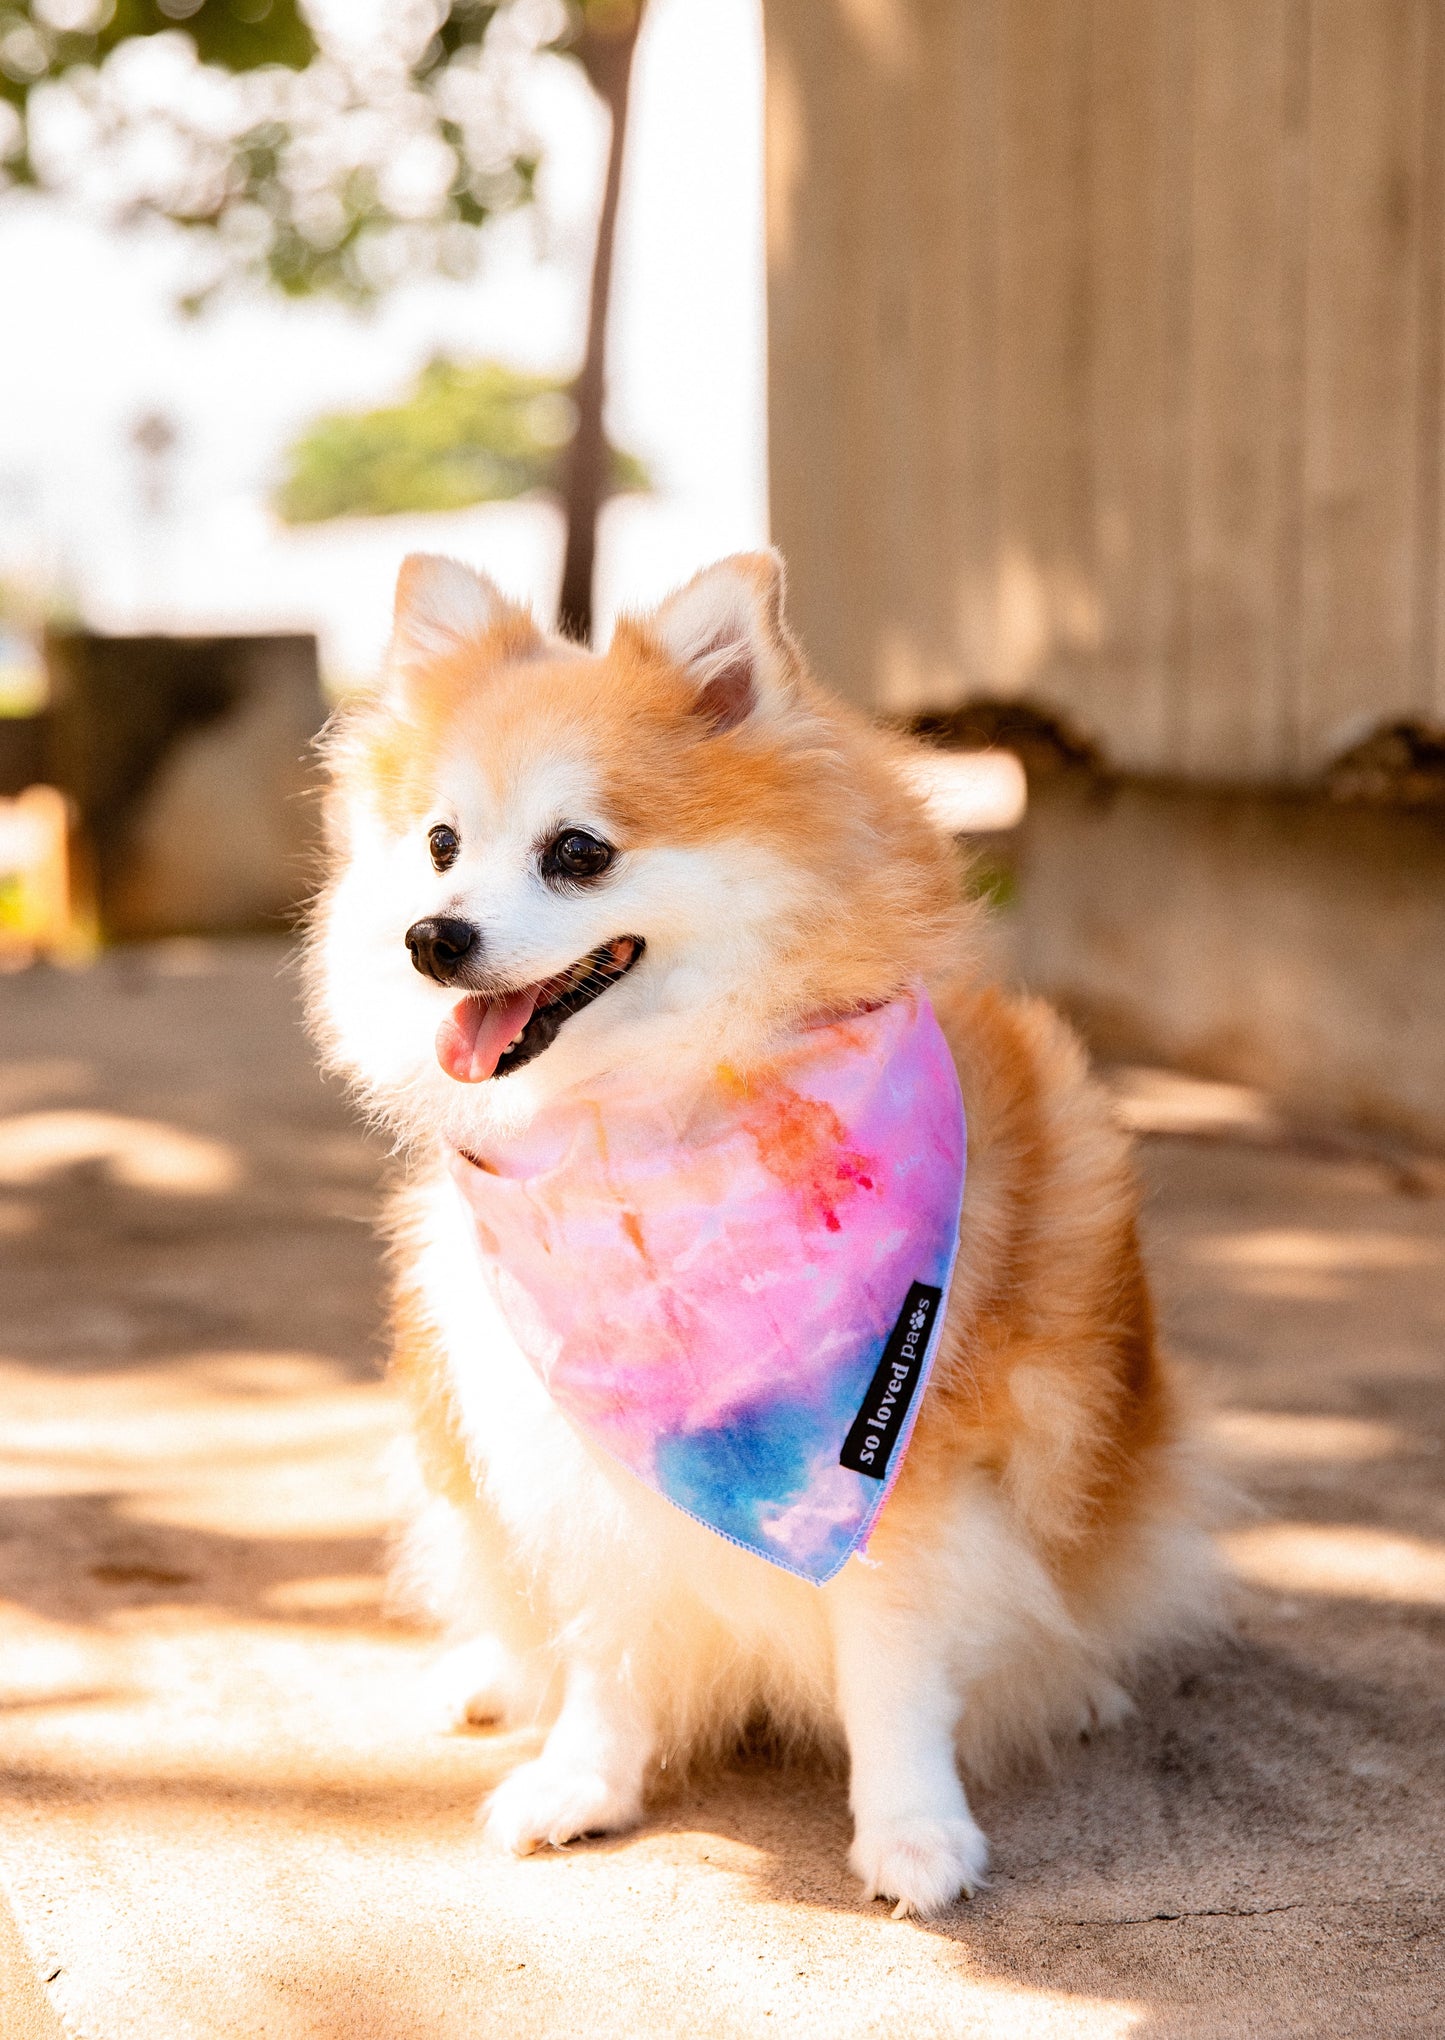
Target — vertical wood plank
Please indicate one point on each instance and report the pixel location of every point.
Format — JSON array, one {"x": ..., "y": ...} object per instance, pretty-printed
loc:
[
  {"x": 824, "y": 232},
  {"x": 1429, "y": 635},
  {"x": 1047, "y": 621},
  {"x": 1240, "y": 386},
  {"x": 1362, "y": 345},
  {"x": 1290, "y": 433},
  {"x": 883, "y": 340},
  {"x": 1141, "y": 229},
  {"x": 940, "y": 639},
  {"x": 1106, "y": 358}
]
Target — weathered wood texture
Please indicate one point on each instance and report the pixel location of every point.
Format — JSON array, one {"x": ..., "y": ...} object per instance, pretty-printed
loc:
[{"x": 1106, "y": 361}]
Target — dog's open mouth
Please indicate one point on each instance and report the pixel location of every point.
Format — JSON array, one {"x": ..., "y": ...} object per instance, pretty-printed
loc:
[{"x": 490, "y": 1035}]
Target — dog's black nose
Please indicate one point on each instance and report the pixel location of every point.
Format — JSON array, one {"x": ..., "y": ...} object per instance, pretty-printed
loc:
[{"x": 440, "y": 947}]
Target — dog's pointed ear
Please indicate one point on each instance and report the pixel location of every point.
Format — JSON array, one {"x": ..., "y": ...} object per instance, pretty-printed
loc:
[
  {"x": 442, "y": 606},
  {"x": 725, "y": 630}
]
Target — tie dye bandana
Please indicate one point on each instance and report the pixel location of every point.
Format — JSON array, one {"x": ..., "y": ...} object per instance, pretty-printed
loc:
[{"x": 742, "y": 1307}]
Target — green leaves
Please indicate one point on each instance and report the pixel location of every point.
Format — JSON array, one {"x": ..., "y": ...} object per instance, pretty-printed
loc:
[
  {"x": 239, "y": 35},
  {"x": 318, "y": 167},
  {"x": 43, "y": 42},
  {"x": 469, "y": 433}
]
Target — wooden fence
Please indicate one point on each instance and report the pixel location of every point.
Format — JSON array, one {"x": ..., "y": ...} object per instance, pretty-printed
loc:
[{"x": 1106, "y": 362}]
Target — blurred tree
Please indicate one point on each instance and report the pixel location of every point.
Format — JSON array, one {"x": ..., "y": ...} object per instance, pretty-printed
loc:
[
  {"x": 474, "y": 433},
  {"x": 317, "y": 164}
]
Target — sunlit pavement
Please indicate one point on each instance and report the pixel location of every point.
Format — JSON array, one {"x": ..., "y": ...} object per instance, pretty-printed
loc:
[{"x": 225, "y": 1811}]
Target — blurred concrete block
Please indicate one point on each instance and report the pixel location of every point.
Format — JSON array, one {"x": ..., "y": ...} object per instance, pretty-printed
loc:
[
  {"x": 25, "y": 746},
  {"x": 1271, "y": 938},
  {"x": 970, "y": 792},
  {"x": 190, "y": 763}
]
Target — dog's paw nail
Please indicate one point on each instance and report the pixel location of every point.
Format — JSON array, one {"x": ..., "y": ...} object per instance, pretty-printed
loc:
[
  {"x": 475, "y": 1686},
  {"x": 1104, "y": 1709},
  {"x": 923, "y": 1865},
  {"x": 545, "y": 1806}
]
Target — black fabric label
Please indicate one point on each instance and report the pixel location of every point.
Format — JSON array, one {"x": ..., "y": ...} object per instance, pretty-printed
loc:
[{"x": 875, "y": 1430}]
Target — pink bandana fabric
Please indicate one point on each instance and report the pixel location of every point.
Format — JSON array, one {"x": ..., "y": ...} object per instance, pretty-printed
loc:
[{"x": 741, "y": 1305}]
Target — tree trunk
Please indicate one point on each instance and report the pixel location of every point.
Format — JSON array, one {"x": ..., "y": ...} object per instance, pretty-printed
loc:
[{"x": 604, "y": 48}]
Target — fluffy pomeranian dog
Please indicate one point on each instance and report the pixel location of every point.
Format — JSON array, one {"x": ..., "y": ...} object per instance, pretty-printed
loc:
[{"x": 554, "y": 874}]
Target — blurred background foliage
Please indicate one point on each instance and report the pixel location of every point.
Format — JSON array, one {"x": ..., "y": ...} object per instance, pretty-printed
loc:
[
  {"x": 468, "y": 433},
  {"x": 315, "y": 152},
  {"x": 41, "y": 42},
  {"x": 318, "y": 160}
]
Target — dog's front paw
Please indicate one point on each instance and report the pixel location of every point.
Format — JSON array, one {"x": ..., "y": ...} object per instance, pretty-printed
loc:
[
  {"x": 548, "y": 1803},
  {"x": 480, "y": 1684},
  {"x": 1104, "y": 1708},
  {"x": 923, "y": 1864}
]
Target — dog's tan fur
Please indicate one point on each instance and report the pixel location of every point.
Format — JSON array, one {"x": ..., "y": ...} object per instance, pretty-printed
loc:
[{"x": 1041, "y": 1536}]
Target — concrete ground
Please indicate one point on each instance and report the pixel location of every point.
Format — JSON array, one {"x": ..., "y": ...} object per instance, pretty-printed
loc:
[{"x": 223, "y": 1811}]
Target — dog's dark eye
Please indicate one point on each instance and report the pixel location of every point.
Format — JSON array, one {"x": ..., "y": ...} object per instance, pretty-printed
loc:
[
  {"x": 444, "y": 843},
  {"x": 576, "y": 854}
]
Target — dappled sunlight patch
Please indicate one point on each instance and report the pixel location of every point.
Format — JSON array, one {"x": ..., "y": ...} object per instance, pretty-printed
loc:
[
  {"x": 138, "y": 1154},
  {"x": 46, "y": 1664},
  {"x": 723, "y": 1853},
  {"x": 1307, "y": 1264},
  {"x": 250, "y": 1445},
  {"x": 185, "y": 1699},
  {"x": 1260, "y": 1436},
  {"x": 219, "y": 1434},
  {"x": 268, "y": 1374},
  {"x": 1017, "y": 2011},
  {"x": 327, "y": 1594},
  {"x": 236, "y": 1377},
  {"x": 334, "y": 1487},
  {"x": 1349, "y": 1560},
  {"x": 1299, "y": 1247},
  {"x": 856, "y": 1952},
  {"x": 1164, "y": 1101}
]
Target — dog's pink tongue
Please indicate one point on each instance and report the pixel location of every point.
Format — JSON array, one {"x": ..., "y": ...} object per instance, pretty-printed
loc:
[{"x": 473, "y": 1037}]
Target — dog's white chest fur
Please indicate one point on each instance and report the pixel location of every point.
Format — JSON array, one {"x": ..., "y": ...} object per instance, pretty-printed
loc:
[{"x": 587, "y": 1534}]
